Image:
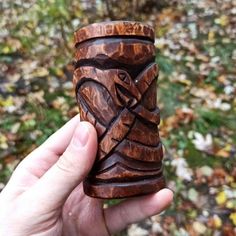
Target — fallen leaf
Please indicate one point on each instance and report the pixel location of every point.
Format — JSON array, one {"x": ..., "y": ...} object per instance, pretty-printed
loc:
[
  {"x": 7, "y": 102},
  {"x": 211, "y": 36},
  {"x": 15, "y": 127},
  {"x": 3, "y": 141},
  {"x": 199, "y": 227},
  {"x": 193, "y": 195},
  {"x": 221, "y": 198},
  {"x": 203, "y": 143},
  {"x": 182, "y": 169},
  {"x": 224, "y": 152},
  {"x": 233, "y": 218},
  {"x": 223, "y": 20},
  {"x": 217, "y": 221},
  {"x": 206, "y": 170}
]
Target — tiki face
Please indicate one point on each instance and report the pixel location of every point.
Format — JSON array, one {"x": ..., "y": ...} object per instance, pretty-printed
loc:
[{"x": 115, "y": 83}]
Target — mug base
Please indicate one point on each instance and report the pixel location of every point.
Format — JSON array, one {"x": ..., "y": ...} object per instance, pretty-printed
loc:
[{"x": 123, "y": 190}]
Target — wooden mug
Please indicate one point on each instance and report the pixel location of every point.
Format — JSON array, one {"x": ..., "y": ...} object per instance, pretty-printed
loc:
[{"x": 115, "y": 84}]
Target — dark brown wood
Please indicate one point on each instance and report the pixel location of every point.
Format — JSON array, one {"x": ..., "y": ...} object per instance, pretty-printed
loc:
[{"x": 115, "y": 83}]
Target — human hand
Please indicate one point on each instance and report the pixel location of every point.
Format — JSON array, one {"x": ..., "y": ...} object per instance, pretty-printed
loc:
[{"x": 45, "y": 196}]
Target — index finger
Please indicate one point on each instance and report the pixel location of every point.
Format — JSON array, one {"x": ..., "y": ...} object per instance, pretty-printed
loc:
[{"x": 119, "y": 216}]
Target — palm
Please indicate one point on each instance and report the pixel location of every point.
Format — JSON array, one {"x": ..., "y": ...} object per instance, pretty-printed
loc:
[
  {"x": 83, "y": 215},
  {"x": 42, "y": 193}
]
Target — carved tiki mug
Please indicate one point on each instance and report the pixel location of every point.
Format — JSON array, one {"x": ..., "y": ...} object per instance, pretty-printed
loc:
[{"x": 115, "y": 82}]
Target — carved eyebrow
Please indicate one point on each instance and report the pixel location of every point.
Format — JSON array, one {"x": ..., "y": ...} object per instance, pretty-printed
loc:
[{"x": 103, "y": 62}]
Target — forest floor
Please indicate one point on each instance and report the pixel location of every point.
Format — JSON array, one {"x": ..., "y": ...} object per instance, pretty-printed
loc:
[{"x": 196, "y": 53}]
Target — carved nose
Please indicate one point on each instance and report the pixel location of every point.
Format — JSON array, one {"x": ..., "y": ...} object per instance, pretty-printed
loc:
[{"x": 130, "y": 86}]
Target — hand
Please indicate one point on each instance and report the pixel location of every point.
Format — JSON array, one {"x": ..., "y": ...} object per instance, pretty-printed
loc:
[{"x": 44, "y": 195}]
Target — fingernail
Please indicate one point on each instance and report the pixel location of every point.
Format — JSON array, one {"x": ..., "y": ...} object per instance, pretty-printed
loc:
[{"x": 81, "y": 135}]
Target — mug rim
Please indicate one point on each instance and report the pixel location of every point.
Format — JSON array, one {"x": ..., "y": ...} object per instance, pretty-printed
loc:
[{"x": 129, "y": 29}]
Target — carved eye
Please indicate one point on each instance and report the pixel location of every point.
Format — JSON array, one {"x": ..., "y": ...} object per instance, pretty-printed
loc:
[{"x": 122, "y": 76}]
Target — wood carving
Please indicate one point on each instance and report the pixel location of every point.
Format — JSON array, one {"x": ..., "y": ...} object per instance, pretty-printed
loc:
[{"x": 115, "y": 83}]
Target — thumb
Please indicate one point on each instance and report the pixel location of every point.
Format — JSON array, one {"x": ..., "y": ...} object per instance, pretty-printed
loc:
[{"x": 71, "y": 168}]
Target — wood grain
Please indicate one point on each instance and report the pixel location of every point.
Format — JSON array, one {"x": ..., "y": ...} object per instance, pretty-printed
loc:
[
  {"x": 115, "y": 83},
  {"x": 115, "y": 28}
]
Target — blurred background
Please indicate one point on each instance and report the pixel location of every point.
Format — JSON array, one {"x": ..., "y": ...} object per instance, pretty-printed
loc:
[{"x": 196, "y": 53}]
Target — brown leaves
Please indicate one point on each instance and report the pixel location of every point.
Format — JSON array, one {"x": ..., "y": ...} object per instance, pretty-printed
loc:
[
  {"x": 182, "y": 116},
  {"x": 196, "y": 56}
]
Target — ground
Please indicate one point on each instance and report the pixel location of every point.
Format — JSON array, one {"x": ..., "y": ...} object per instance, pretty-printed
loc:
[{"x": 196, "y": 53}]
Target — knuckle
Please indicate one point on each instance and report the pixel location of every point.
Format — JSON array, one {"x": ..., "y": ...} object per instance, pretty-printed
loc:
[{"x": 65, "y": 163}]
